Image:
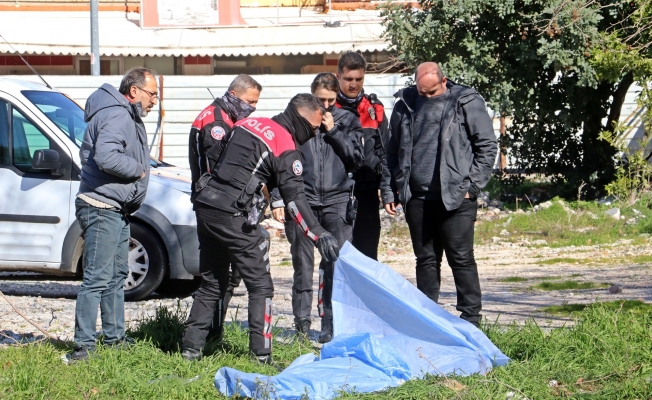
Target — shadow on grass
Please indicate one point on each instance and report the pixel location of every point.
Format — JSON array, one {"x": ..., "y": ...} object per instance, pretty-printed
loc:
[{"x": 635, "y": 306}]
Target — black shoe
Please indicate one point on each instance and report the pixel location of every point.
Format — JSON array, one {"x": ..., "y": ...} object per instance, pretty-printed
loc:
[
  {"x": 191, "y": 354},
  {"x": 79, "y": 354},
  {"x": 122, "y": 344},
  {"x": 326, "y": 334},
  {"x": 267, "y": 360},
  {"x": 302, "y": 326}
]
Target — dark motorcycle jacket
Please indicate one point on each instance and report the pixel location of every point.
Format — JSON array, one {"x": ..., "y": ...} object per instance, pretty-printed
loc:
[
  {"x": 208, "y": 129},
  {"x": 258, "y": 151},
  {"x": 375, "y": 129},
  {"x": 327, "y": 160}
]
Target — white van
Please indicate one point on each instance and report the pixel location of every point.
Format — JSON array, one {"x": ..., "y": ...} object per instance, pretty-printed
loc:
[{"x": 41, "y": 131}]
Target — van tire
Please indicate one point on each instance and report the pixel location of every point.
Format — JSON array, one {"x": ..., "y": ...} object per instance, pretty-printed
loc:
[
  {"x": 180, "y": 288},
  {"x": 147, "y": 259}
]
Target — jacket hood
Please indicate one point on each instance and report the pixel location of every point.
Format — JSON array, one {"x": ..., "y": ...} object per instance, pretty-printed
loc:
[
  {"x": 409, "y": 94},
  {"x": 104, "y": 97}
]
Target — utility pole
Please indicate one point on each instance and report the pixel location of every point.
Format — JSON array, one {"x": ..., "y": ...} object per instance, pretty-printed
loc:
[{"x": 95, "y": 39}]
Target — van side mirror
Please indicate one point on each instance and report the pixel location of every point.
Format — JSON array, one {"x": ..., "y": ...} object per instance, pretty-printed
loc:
[{"x": 46, "y": 159}]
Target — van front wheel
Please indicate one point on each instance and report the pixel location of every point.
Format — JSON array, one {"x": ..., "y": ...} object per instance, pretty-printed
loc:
[{"x": 147, "y": 261}]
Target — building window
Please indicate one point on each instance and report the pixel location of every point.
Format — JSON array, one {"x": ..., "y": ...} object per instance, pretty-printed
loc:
[{"x": 108, "y": 66}]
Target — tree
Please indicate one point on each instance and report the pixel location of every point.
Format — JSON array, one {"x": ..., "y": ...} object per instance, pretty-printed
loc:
[{"x": 548, "y": 64}]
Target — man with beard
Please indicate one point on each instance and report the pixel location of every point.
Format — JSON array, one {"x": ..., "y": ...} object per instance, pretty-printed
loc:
[
  {"x": 259, "y": 155},
  {"x": 211, "y": 125},
  {"x": 350, "y": 73},
  {"x": 328, "y": 161},
  {"x": 115, "y": 171}
]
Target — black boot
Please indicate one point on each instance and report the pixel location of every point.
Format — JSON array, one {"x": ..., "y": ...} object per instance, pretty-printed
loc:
[
  {"x": 326, "y": 334},
  {"x": 302, "y": 325},
  {"x": 216, "y": 330}
]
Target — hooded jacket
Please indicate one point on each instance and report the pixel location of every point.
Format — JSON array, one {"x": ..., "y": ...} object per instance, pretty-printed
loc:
[
  {"x": 467, "y": 144},
  {"x": 327, "y": 160},
  {"x": 114, "y": 153}
]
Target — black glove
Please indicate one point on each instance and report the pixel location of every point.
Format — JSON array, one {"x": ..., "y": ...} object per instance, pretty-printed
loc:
[
  {"x": 379, "y": 169},
  {"x": 328, "y": 247}
]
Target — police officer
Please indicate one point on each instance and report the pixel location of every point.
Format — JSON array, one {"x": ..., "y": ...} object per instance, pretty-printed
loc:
[
  {"x": 210, "y": 127},
  {"x": 327, "y": 161},
  {"x": 350, "y": 73},
  {"x": 259, "y": 155}
]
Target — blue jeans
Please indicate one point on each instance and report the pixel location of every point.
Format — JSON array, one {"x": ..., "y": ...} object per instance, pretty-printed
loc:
[{"x": 106, "y": 250}]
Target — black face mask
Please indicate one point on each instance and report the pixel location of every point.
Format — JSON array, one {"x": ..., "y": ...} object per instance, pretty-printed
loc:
[
  {"x": 303, "y": 130},
  {"x": 330, "y": 108},
  {"x": 238, "y": 109}
]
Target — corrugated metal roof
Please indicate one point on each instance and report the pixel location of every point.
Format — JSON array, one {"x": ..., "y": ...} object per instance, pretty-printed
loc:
[{"x": 69, "y": 33}]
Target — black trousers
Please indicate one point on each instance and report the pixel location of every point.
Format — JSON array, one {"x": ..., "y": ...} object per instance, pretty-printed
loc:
[
  {"x": 434, "y": 230},
  {"x": 366, "y": 230},
  {"x": 226, "y": 237},
  {"x": 333, "y": 219}
]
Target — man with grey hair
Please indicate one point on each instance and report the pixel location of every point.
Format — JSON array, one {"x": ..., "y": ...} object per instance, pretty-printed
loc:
[
  {"x": 114, "y": 176},
  {"x": 440, "y": 155},
  {"x": 213, "y": 124}
]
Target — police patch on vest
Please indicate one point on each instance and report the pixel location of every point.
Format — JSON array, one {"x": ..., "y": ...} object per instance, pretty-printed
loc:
[
  {"x": 217, "y": 132},
  {"x": 297, "y": 168}
]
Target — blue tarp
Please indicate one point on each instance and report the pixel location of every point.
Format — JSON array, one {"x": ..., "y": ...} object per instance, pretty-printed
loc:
[{"x": 386, "y": 332}]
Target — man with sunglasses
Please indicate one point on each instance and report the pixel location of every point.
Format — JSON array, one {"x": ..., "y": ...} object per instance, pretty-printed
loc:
[{"x": 114, "y": 176}]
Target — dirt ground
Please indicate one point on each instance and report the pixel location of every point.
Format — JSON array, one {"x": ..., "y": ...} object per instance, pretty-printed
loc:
[{"x": 50, "y": 301}]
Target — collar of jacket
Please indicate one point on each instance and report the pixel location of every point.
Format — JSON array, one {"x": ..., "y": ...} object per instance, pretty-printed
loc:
[{"x": 218, "y": 102}]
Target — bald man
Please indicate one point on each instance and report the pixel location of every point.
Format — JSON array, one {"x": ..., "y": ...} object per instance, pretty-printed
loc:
[{"x": 440, "y": 155}]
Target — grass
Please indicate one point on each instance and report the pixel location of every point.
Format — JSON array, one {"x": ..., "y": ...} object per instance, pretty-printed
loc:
[
  {"x": 634, "y": 306},
  {"x": 512, "y": 279},
  {"x": 568, "y": 285},
  {"x": 606, "y": 354},
  {"x": 589, "y": 225}
]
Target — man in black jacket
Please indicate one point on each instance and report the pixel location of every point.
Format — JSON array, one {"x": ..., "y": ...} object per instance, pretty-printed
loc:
[
  {"x": 441, "y": 154},
  {"x": 328, "y": 162},
  {"x": 371, "y": 113},
  {"x": 211, "y": 125},
  {"x": 259, "y": 155}
]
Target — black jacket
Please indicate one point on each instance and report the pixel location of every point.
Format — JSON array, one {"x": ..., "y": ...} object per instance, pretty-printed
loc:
[
  {"x": 375, "y": 129},
  {"x": 208, "y": 129},
  {"x": 258, "y": 150},
  {"x": 328, "y": 158},
  {"x": 467, "y": 144}
]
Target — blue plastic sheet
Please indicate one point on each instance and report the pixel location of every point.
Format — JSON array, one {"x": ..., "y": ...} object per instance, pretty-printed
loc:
[{"x": 386, "y": 332}]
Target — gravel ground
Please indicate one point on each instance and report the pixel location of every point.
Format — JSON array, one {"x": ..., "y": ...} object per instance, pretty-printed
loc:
[{"x": 50, "y": 301}]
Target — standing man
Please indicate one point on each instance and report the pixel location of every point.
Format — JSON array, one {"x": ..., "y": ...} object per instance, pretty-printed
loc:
[
  {"x": 114, "y": 176},
  {"x": 350, "y": 73},
  {"x": 328, "y": 161},
  {"x": 440, "y": 156},
  {"x": 211, "y": 125},
  {"x": 259, "y": 155}
]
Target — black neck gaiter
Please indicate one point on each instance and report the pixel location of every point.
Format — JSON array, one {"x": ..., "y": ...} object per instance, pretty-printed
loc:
[
  {"x": 351, "y": 102},
  {"x": 298, "y": 126},
  {"x": 237, "y": 108}
]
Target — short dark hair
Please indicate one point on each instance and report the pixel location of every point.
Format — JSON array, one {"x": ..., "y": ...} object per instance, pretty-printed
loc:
[
  {"x": 325, "y": 80},
  {"x": 135, "y": 77},
  {"x": 306, "y": 101},
  {"x": 243, "y": 82},
  {"x": 351, "y": 60}
]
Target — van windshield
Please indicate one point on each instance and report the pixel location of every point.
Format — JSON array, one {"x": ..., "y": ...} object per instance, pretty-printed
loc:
[{"x": 65, "y": 113}]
